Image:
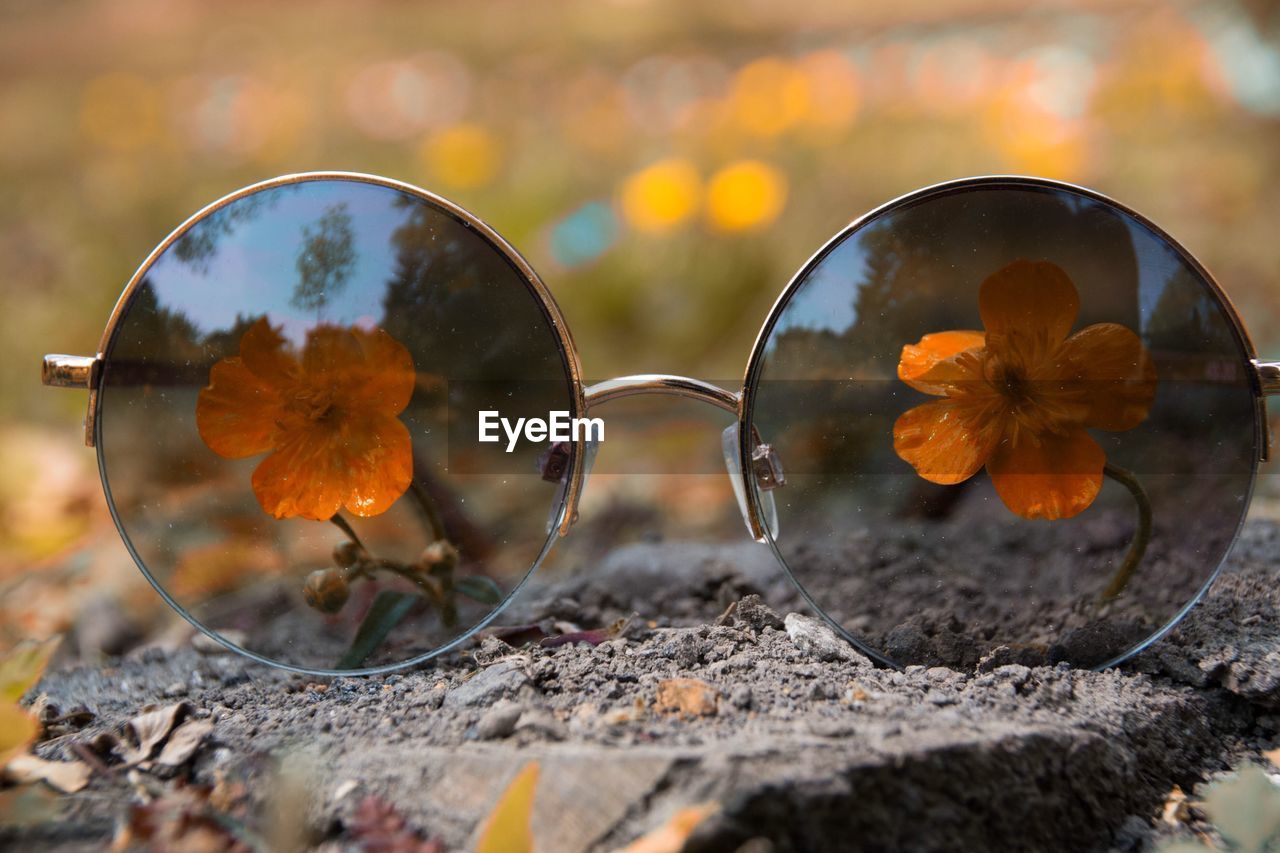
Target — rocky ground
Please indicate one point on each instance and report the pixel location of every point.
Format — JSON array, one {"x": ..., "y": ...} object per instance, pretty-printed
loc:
[{"x": 802, "y": 743}]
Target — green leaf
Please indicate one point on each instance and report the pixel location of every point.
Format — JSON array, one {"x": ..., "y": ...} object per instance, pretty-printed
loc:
[
  {"x": 386, "y": 612},
  {"x": 480, "y": 588}
]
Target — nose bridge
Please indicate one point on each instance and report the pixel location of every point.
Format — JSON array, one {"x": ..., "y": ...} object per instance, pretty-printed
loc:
[
  {"x": 661, "y": 383},
  {"x": 748, "y": 498}
]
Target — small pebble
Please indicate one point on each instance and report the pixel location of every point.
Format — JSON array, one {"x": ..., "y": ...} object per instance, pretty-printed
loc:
[
  {"x": 542, "y": 722},
  {"x": 816, "y": 639},
  {"x": 499, "y": 721}
]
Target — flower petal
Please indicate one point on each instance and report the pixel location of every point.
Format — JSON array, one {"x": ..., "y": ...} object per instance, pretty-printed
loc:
[
  {"x": 331, "y": 350},
  {"x": 266, "y": 352},
  {"x": 1048, "y": 476},
  {"x": 1111, "y": 364},
  {"x": 918, "y": 359},
  {"x": 383, "y": 455},
  {"x": 1030, "y": 298},
  {"x": 366, "y": 465},
  {"x": 945, "y": 441},
  {"x": 304, "y": 477},
  {"x": 237, "y": 413},
  {"x": 389, "y": 375},
  {"x": 373, "y": 370}
]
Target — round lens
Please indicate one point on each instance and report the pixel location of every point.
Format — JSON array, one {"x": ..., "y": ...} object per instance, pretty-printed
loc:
[
  {"x": 287, "y": 422},
  {"x": 1016, "y": 427}
]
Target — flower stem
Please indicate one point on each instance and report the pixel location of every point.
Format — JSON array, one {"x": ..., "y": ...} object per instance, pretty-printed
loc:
[
  {"x": 1141, "y": 538},
  {"x": 429, "y": 586},
  {"x": 436, "y": 587},
  {"x": 343, "y": 525},
  {"x": 429, "y": 509}
]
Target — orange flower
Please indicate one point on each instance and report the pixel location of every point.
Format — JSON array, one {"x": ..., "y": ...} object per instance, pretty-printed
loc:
[
  {"x": 1019, "y": 396},
  {"x": 327, "y": 417}
]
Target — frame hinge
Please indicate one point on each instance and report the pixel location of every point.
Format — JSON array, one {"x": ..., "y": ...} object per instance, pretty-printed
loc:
[
  {"x": 75, "y": 371},
  {"x": 1268, "y": 377},
  {"x": 70, "y": 371}
]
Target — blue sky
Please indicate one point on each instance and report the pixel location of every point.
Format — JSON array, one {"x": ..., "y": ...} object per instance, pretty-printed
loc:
[
  {"x": 254, "y": 269},
  {"x": 827, "y": 299}
]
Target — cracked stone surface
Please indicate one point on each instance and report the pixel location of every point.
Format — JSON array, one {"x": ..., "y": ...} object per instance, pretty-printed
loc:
[{"x": 804, "y": 744}]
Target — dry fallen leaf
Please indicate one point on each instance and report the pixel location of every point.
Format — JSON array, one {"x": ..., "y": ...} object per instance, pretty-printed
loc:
[
  {"x": 690, "y": 696},
  {"x": 20, "y": 669},
  {"x": 672, "y": 835},
  {"x": 183, "y": 742},
  {"x": 1176, "y": 810},
  {"x": 66, "y": 776},
  {"x": 508, "y": 828},
  {"x": 17, "y": 730},
  {"x": 148, "y": 729},
  {"x": 378, "y": 826},
  {"x": 593, "y": 637},
  {"x": 183, "y": 818}
]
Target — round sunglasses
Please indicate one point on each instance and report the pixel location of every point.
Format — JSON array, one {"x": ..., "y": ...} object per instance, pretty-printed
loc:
[{"x": 997, "y": 420}]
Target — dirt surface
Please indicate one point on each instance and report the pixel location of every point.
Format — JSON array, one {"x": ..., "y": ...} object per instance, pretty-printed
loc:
[{"x": 803, "y": 743}]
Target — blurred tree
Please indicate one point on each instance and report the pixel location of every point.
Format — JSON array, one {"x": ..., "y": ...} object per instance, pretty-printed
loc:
[
  {"x": 199, "y": 244},
  {"x": 325, "y": 260},
  {"x": 1187, "y": 318}
]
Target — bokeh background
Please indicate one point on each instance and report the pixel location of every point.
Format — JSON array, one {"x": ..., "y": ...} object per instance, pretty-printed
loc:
[{"x": 665, "y": 165}]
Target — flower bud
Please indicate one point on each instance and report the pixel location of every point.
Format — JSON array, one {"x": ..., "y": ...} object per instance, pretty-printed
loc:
[
  {"x": 326, "y": 590},
  {"x": 439, "y": 554},
  {"x": 346, "y": 554}
]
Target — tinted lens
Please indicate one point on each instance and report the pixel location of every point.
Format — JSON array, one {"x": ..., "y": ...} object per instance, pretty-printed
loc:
[
  {"x": 976, "y": 393},
  {"x": 301, "y": 353}
]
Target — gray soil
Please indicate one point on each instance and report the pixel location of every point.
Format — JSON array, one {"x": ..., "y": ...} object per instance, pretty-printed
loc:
[{"x": 806, "y": 745}]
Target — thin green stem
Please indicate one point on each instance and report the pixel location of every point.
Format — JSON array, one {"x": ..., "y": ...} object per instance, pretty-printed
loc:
[
  {"x": 429, "y": 509},
  {"x": 436, "y": 589},
  {"x": 342, "y": 524},
  {"x": 1141, "y": 537},
  {"x": 429, "y": 586}
]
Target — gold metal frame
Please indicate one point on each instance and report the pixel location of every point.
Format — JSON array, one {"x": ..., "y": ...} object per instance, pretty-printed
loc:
[
  {"x": 1263, "y": 377},
  {"x": 86, "y": 372}
]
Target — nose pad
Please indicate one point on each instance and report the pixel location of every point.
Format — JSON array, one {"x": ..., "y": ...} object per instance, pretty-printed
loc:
[
  {"x": 764, "y": 496},
  {"x": 554, "y": 466}
]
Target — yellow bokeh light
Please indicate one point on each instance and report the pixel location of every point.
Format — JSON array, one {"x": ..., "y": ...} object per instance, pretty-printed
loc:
[
  {"x": 1030, "y": 138},
  {"x": 745, "y": 194},
  {"x": 120, "y": 111},
  {"x": 769, "y": 96},
  {"x": 463, "y": 156},
  {"x": 661, "y": 196}
]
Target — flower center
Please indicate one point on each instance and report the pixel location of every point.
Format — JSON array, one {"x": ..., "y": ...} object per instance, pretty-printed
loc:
[
  {"x": 1013, "y": 385},
  {"x": 314, "y": 404}
]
